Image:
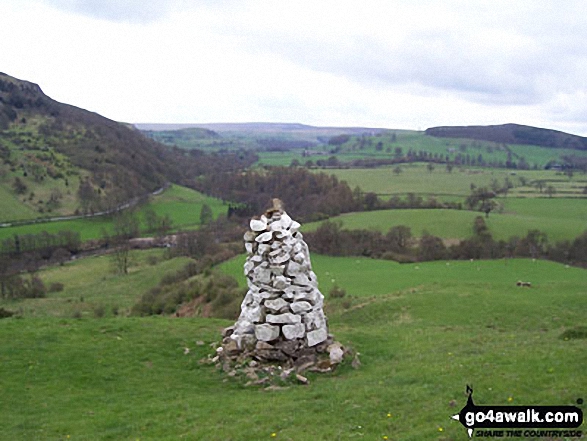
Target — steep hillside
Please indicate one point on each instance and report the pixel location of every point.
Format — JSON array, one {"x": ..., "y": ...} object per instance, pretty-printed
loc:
[
  {"x": 512, "y": 134},
  {"x": 56, "y": 158}
]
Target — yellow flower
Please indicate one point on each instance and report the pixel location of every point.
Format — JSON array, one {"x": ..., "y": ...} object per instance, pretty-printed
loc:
[
  {"x": 388, "y": 415},
  {"x": 440, "y": 429},
  {"x": 385, "y": 437},
  {"x": 510, "y": 399},
  {"x": 273, "y": 435}
]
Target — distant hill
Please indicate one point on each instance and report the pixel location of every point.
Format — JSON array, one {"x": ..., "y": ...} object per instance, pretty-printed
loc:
[
  {"x": 249, "y": 136},
  {"x": 51, "y": 148},
  {"x": 260, "y": 127},
  {"x": 512, "y": 134}
]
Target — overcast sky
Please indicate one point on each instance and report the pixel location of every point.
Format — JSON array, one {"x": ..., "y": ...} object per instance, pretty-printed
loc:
[{"x": 397, "y": 64}]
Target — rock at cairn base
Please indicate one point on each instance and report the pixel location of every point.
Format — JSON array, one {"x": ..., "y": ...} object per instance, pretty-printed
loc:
[{"x": 281, "y": 315}]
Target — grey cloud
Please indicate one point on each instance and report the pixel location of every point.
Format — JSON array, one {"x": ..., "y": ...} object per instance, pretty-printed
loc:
[{"x": 471, "y": 58}]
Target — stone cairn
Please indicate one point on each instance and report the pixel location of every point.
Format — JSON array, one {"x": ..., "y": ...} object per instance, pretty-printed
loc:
[{"x": 281, "y": 320}]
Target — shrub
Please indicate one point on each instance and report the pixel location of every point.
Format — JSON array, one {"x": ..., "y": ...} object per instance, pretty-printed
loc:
[
  {"x": 336, "y": 292},
  {"x": 99, "y": 311},
  {"x": 4, "y": 313},
  {"x": 578, "y": 332},
  {"x": 56, "y": 287}
]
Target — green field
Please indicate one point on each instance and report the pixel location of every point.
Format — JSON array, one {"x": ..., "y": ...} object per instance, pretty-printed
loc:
[
  {"x": 443, "y": 147},
  {"x": 406, "y": 140},
  {"x": 423, "y": 332},
  {"x": 182, "y": 204},
  {"x": 93, "y": 283},
  {"x": 415, "y": 178},
  {"x": 560, "y": 219}
]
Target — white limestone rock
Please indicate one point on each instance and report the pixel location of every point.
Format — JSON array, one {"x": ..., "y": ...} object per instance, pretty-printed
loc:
[
  {"x": 266, "y": 332},
  {"x": 278, "y": 270},
  {"x": 285, "y": 221},
  {"x": 249, "y": 236},
  {"x": 253, "y": 314},
  {"x": 280, "y": 282},
  {"x": 315, "y": 320},
  {"x": 288, "y": 318},
  {"x": 336, "y": 353},
  {"x": 299, "y": 307},
  {"x": 248, "y": 267},
  {"x": 291, "y": 332},
  {"x": 280, "y": 258},
  {"x": 301, "y": 280},
  {"x": 293, "y": 268},
  {"x": 264, "y": 237},
  {"x": 262, "y": 275},
  {"x": 276, "y": 305},
  {"x": 263, "y": 248},
  {"x": 316, "y": 337},
  {"x": 258, "y": 224}
]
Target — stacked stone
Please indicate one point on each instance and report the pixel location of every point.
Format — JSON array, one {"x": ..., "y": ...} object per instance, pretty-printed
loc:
[{"x": 283, "y": 306}]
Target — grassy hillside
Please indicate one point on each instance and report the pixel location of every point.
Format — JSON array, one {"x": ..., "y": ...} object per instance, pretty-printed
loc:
[
  {"x": 512, "y": 133},
  {"x": 50, "y": 146},
  {"x": 92, "y": 283},
  {"x": 182, "y": 204},
  {"x": 451, "y": 147},
  {"x": 560, "y": 219},
  {"x": 423, "y": 333},
  {"x": 398, "y": 143}
]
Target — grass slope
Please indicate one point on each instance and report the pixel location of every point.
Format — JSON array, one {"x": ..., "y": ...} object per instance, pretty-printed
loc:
[
  {"x": 560, "y": 219},
  {"x": 366, "y": 147},
  {"x": 422, "y": 334},
  {"x": 93, "y": 283},
  {"x": 12, "y": 207},
  {"x": 182, "y": 204}
]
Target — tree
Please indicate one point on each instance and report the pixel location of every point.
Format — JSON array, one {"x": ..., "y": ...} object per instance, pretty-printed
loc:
[
  {"x": 479, "y": 226},
  {"x": 87, "y": 197},
  {"x": 431, "y": 247},
  {"x": 550, "y": 190},
  {"x": 55, "y": 198},
  {"x": 206, "y": 215},
  {"x": 371, "y": 201},
  {"x": 399, "y": 237},
  {"x": 19, "y": 186},
  {"x": 151, "y": 219},
  {"x": 125, "y": 226},
  {"x": 539, "y": 184},
  {"x": 481, "y": 199}
]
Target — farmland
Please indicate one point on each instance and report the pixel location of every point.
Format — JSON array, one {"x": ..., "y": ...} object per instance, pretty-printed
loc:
[
  {"x": 560, "y": 219},
  {"x": 415, "y": 178}
]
